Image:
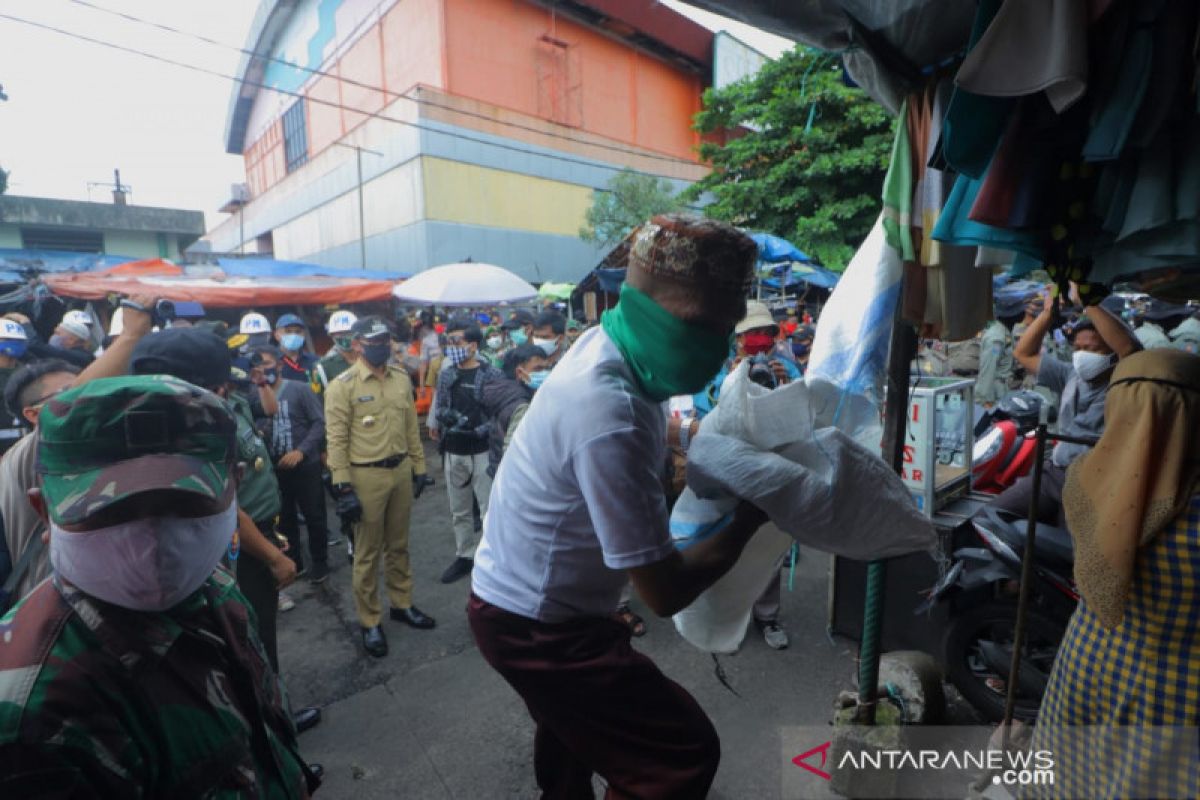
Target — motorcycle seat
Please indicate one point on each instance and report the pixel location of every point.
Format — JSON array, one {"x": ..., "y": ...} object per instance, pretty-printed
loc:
[{"x": 1053, "y": 544}]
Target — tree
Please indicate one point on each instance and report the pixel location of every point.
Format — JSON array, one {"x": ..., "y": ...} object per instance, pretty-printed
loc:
[
  {"x": 805, "y": 158},
  {"x": 628, "y": 200}
]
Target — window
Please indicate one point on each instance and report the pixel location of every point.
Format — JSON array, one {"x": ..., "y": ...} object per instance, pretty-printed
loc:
[
  {"x": 76, "y": 241},
  {"x": 295, "y": 137}
]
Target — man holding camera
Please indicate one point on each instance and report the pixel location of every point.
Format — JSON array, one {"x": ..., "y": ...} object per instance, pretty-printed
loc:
[
  {"x": 378, "y": 467},
  {"x": 462, "y": 430}
]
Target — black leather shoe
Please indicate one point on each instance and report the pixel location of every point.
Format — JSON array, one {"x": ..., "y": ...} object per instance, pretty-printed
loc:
[
  {"x": 374, "y": 641},
  {"x": 413, "y": 617},
  {"x": 306, "y": 718},
  {"x": 317, "y": 771},
  {"x": 459, "y": 568}
]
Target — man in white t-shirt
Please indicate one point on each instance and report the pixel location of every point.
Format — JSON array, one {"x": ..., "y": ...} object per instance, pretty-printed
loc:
[{"x": 578, "y": 508}]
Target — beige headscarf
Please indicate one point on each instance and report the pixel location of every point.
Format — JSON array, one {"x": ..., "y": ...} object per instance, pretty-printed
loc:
[{"x": 1140, "y": 476}]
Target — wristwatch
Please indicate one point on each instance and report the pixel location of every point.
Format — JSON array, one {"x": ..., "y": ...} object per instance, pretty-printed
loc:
[{"x": 685, "y": 434}]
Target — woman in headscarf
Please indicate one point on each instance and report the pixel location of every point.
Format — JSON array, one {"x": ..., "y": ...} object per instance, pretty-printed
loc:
[{"x": 1129, "y": 665}]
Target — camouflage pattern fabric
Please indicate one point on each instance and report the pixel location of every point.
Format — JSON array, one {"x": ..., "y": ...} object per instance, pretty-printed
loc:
[
  {"x": 113, "y": 438},
  {"x": 100, "y": 701}
]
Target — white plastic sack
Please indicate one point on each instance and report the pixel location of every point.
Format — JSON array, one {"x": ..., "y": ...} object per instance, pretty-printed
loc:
[{"x": 818, "y": 485}]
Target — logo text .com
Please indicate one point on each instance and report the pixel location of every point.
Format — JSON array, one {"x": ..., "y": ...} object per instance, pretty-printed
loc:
[{"x": 1011, "y": 769}]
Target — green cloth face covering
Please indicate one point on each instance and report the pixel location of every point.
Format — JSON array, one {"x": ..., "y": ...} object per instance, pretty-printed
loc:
[{"x": 667, "y": 355}]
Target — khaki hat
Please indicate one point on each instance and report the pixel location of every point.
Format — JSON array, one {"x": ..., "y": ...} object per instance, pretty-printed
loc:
[{"x": 757, "y": 316}]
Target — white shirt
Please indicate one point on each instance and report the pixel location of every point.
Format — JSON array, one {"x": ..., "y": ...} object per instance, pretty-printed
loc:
[{"x": 578, "y": 498}]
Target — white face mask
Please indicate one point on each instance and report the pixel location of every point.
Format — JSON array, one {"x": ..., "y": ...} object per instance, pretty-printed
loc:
[
  {"x": 549, "y": 346},
  {"x": 494, "y": 342},
  {"x": 1091, "y": 365},
  {"x": 149, "y": 564}
]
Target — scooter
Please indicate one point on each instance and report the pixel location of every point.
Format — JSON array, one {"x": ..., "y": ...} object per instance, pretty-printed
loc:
[
  {"x": 1005, "y": 442},
  {"x": 981, "y": 588}
]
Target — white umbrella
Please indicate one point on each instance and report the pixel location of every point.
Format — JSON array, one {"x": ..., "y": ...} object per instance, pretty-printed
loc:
[{"x": 468, "y": 283}]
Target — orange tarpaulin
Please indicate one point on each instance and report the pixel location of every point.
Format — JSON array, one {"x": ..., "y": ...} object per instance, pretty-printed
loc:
[{"x": 217, "y": 291}]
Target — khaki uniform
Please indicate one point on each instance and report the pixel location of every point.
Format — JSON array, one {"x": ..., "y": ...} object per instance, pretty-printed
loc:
[{"x": 368, "y": 421}]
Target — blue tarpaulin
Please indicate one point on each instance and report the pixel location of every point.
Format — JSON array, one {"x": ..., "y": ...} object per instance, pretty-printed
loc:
[
  {"x": 801, "y": 274},
  {"x": 773, "y": 249},
  {"x": 272, "y": 268},
  {"x": 16, "y": 262}
]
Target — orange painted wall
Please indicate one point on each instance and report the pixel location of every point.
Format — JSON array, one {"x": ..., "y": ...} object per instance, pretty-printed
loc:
[
  {"x": 493, "y": 52},
  {"x": 412, "y": 44}
]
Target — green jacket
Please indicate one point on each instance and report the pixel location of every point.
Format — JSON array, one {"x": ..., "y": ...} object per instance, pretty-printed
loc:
[
  {"x": 330, "y": 366},
  {"x": 100, "y": 701},
  {"x": 258, "y": 493}
]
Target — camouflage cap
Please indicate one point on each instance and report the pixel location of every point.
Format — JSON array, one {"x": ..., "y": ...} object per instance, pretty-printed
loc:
[
  {"x": 692, "y": 249},
  {"x": 113, "y": 438}
]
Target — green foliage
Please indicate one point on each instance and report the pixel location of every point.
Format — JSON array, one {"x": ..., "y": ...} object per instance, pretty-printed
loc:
[
  {"x": 811, "y": 166},
  {"x": 630, "y": 199}
]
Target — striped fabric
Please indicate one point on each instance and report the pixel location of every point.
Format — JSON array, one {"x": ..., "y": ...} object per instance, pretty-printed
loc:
[{"x": 1138, "y": 684}]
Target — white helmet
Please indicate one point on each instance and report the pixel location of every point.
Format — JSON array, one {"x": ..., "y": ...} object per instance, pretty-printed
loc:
[
  {"x": 77, "y": 316},
  {"x": 341, "y": 322},
  {"x": 11, "y": 330},
  {"x": 254, "y": 323}
]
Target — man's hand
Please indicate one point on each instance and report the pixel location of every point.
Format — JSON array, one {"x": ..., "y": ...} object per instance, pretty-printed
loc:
[
  {"x": 257, "y": 377},
  {"x": 135, "y": 323},
  {"x": 348, "y": 506},
  {"x": 290, "y": 459},
  {"x": 433, "y": 434},
  {"x": 419, "y": 484},
  {"x": 283, "y": 570}
]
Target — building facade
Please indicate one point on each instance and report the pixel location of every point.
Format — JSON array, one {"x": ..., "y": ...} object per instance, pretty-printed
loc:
[
  {"x": 480, "y": 128},
  {"x": 40, "y": 224}
]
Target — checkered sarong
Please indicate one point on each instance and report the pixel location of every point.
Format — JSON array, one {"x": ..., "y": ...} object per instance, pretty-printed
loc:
[{"x": 1138, "y": 684}]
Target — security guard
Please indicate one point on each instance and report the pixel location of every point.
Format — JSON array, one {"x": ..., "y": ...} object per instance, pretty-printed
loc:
[{"x": 378, "y": 467}]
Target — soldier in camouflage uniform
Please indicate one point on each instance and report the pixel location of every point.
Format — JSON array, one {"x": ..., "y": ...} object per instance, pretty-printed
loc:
[{"x": 135, "y": 670}]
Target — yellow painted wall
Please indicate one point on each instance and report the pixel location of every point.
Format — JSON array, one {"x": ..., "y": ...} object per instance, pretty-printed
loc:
[{"x": 465, "y": 193}]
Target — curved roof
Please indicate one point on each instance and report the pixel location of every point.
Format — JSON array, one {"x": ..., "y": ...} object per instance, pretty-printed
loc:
[{"x": 270, "y": 19}]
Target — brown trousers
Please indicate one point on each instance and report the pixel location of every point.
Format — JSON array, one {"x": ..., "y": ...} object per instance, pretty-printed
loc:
[{"x": 600, "y": 706}]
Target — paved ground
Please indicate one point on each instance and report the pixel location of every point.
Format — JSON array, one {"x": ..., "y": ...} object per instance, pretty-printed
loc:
[{"x": 431, "y": 720}]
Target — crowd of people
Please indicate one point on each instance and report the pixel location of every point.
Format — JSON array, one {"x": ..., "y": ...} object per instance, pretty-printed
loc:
[{"x": 163, "y": 487}]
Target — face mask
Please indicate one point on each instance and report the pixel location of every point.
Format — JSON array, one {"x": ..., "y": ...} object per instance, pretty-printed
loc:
[
  {"x": 549, "y": 346},
  {"x": 799, "y": 349},
  {"x": 494, "y": 342},
  {"x": 292, "y": 341},
  {"x": 58, "y": 341},
  {"x": 755, "y": 343},
  {"x": 149, "y": 564},
  {"x": 666, "y": 355},
  {"x": 537, "y": 378},
  {"x": 457, "y": 354},
  {"x": 377, "y": 354},
  {"x": 13, "y": 348},
  {"x": 345, "y": 344},
  {"x": 518, "y": 337},
  {"x": 270, "y": 376},
  {"x": 1091, "y": 365}
]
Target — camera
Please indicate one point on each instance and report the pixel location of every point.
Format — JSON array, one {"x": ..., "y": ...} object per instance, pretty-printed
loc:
[
  {"x": 452, "y": 420},
  {"x": 761, "y": 372},
  {"x": 162, "y": 314}
]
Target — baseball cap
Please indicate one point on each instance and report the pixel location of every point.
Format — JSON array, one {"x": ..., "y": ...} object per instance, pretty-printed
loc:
[
  {"x": 370, "y": 328},
  {"x": 289, "y": 319},
  {"x": 757, "y": 316},
  {"x": 114, "y": 438},
  {"x": 518, "y": 319},
  {"x": 254, "y": 323},
  {"x": 11, "y": 330},
  {"x": 573, "y": 325},
  {"x": 195, "y": 355}
]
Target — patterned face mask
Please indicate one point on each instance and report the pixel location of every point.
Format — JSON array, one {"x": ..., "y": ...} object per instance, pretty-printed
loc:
[{"x": 457, "y": 354}]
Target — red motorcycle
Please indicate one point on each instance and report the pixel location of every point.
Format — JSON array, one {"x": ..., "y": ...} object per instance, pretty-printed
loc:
[{"x": 1005, "y": 442}]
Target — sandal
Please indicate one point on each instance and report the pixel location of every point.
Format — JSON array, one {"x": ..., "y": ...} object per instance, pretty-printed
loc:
[{"x": 636, "y": 624}]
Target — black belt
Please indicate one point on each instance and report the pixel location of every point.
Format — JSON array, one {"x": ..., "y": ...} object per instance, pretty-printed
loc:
[{"x": 385, "y": 463}]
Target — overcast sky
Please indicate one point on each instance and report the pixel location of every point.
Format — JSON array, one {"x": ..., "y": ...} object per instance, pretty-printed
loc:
[{"x": 77, "y": 110}]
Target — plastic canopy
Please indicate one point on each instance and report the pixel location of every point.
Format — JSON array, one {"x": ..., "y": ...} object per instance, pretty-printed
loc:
[
  {"x": 467, "y": 283},
  {"x": 773, "y": 249},
  {"x": 556, "y": 291}
]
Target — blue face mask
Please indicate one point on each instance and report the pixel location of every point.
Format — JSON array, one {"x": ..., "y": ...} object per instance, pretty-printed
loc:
[
  {"x": 518, "y": 336},
  {"x": 537, "y": 378},
  {"x": 800, "y": 349},
  {"x": 292, "y": 341},
  {"x": 13, "y": 348}
]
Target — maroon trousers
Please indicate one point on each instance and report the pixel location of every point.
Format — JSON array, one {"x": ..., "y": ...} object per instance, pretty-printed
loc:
[{"x": 600, "y": 706}]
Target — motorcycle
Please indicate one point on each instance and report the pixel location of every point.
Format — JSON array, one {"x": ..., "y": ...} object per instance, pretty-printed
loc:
[
  {"x": 981, "y": 587},
  {"x": 1005, "y": 442}
]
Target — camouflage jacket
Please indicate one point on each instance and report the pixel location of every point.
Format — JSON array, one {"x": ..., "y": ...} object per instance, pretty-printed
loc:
[{"x": 99, "y": 701}]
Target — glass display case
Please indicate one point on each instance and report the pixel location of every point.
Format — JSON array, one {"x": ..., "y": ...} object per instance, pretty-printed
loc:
[{"x": 938, "y": 441}]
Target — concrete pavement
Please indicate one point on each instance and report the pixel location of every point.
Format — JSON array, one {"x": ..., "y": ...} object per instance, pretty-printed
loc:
[{"x": 432, "y": 720}]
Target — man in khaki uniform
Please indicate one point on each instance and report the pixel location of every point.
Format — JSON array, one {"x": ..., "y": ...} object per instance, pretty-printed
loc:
[{"x": 378, "y": 467}]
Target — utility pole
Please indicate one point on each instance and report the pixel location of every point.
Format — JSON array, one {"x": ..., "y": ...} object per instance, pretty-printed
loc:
[{"x": 362, "y": 224}]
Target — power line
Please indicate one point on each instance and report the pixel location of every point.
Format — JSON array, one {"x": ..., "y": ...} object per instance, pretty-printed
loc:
[
  {"x": 318, "y": 101},
  {"x": 364, "y": 85}
]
